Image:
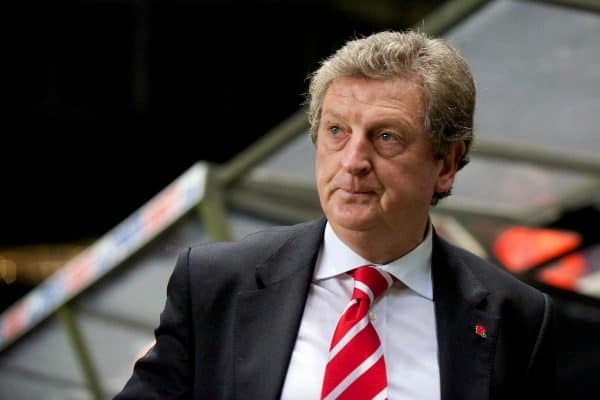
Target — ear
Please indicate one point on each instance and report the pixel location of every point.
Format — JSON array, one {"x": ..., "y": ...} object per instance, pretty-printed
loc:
[{"x": 450, "y": 163}]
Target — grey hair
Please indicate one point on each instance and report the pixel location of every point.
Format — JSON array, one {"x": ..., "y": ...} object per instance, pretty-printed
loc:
[{"x": 432, "y": 63}]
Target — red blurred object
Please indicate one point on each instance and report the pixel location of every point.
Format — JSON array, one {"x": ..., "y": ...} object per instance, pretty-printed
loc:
[
  {"x": 565, "y": 273},
  {"x": 520, "y": 248}
]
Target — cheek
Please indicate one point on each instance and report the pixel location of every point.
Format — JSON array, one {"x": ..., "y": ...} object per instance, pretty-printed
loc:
[
  {"x": 325, "y": 166},
  {"x": 323, "y": 179},
  {"x": 320, "y": 175},
  {"x": 406, "y": 182}
]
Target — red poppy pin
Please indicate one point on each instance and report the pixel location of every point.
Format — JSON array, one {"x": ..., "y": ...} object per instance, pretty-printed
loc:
[{"x": 480, "y": 331}]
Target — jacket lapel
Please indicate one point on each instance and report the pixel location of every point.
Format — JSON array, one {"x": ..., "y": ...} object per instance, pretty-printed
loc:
[
  {"x": 466, "y": 329},
  {"x": 267, "y": 319}
]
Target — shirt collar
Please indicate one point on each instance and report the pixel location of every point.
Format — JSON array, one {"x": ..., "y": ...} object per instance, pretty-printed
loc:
[{"x": 413, "y": 269}]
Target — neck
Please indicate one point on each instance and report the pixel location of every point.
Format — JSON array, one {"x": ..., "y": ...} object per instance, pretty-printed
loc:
[{"x": 382, "y": 246}]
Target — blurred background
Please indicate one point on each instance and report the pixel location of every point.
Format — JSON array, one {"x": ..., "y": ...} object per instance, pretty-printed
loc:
[
  {"x": 134, "y": 128},
  {"x": 107, "y": 101}
]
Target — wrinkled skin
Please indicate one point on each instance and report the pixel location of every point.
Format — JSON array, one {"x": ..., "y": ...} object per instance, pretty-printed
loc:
[{"x": 375, "y": 168}]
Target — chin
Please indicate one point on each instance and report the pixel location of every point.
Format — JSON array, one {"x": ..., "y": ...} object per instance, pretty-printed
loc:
[{"x": 351, "y": 222}]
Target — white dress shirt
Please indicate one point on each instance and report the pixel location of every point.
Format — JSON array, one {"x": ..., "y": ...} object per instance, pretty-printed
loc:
[{"x": 403, "y": 317}]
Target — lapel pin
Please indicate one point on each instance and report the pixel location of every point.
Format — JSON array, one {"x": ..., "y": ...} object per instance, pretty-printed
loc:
[{"x": 480, "y": 331}]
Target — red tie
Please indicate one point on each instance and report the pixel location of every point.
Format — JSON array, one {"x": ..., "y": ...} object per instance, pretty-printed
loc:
[{"x": 356, "y": 368}]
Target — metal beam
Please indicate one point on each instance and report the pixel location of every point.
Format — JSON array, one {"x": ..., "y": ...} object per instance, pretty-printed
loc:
[
  {"x": 81, "y": 351},
  {"x": 537, "y": 155},
  {"x": 587, "y": 5},
  {"x": 211, "y": 208},
  {"x": 449, "y": 15},
  {"x": 272, "y": 141}
]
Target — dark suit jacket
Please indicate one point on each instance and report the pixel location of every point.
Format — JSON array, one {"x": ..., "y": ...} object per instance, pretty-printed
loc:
[{"x": 233, "y": 311}]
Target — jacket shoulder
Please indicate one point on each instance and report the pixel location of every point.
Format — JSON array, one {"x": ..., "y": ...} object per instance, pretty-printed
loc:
[
  {"x": 255, "y": 247},
  {"x": 498, "y": 281},
  {"x": 237, "y": 259}
]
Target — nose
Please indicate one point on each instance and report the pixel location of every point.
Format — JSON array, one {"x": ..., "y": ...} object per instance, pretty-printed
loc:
[{"x": 357, "y": 155}]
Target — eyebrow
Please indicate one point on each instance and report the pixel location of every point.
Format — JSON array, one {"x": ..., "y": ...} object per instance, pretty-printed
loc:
[
  {"x": 331, "y": 113},
  {"x": 385, "y": 121}
]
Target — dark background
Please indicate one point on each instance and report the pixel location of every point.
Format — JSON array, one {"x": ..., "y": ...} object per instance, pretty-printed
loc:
[{"x": 105, "y": 102}]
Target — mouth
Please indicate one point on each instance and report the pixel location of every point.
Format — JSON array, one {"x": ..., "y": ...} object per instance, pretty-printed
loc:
[
  {"x": 359, "y": 193},
  {"x": 354, "y": 191}
]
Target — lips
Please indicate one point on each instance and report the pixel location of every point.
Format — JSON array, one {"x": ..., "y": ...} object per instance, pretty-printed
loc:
[
  {"x": 356, "y": 194},
  {"x": 357, "y": 191},
  {"x": 355, "y": 187}
]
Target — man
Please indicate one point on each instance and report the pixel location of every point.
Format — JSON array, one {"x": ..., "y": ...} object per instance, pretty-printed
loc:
[{"x": 287, "y": 312}]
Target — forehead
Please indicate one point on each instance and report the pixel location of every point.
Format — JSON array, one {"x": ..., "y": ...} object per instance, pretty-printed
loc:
[{"x": 360, "y": 98}]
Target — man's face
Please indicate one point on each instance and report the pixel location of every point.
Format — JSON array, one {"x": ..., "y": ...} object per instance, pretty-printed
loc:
[{"x": 375, "y": 168}]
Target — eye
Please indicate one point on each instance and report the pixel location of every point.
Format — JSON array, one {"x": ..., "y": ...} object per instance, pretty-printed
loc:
[
  {"x": 333, "y": 135},
  {"x": 387, "y": 137},
  {"x": 389, "y": 143}
]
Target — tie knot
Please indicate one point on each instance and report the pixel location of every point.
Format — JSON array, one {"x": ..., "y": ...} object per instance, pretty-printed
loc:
[{"x": 370, "y": 283}]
